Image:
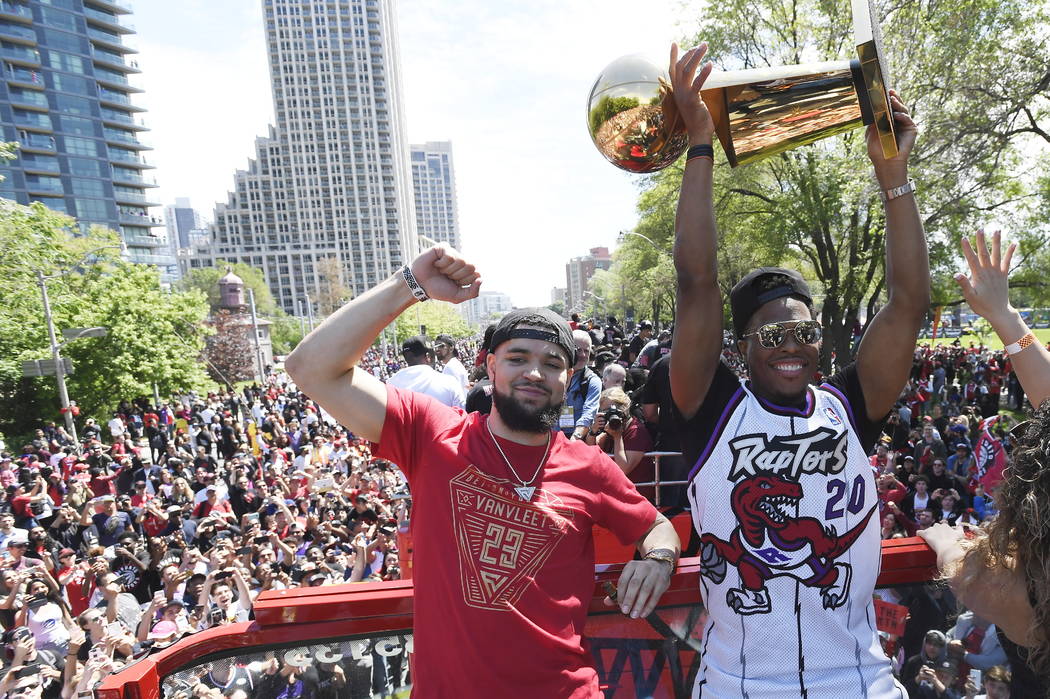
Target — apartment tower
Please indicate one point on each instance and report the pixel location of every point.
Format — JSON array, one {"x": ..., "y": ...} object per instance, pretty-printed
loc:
[
  {"x": 330, "y": 181},
  {"x": 65, "y": 98}
]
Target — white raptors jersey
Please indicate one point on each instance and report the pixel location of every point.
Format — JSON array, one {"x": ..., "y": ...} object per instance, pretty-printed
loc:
[{"x": 785, "y": 503}]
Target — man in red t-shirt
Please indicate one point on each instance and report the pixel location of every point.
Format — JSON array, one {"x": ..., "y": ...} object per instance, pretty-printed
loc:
[{"x": 503, "y": 505}]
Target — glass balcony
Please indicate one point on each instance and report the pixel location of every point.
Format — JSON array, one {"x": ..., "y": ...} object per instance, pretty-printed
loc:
[
  {"x": 148, "y": 259},
  {"x": 17, "y": 30},
  {"x": 24, "y": 75},
  {"x": 37, "y": 99},
  {"x": 16, "y": 10},
  {"x": 114, "y": 97},
  {"x": 119, "y": 6},
  {"x": 110, "y": 20},
  {"x": 148, "y": 241},
  {"x": 122, "y": 137},
  {"x": 19, "y": 53},
  {"x": 113, "y": 60},
  {"x": 48, "y": 188},
  {"x": 125, "y": 178},
  {"x": 37, "y": 141},
  {"x": 33, "y": 120},
  {"x": 110, "y": 40}
]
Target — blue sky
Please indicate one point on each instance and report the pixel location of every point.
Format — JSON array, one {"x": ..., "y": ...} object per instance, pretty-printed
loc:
[{"x": 505, "y": 82}]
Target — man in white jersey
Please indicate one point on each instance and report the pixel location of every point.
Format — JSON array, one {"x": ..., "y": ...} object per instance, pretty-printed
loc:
[{"x": 781, "y": 490}]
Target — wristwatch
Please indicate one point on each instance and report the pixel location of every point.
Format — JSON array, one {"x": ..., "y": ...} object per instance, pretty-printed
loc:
[
  {"x": 664, "y": 556},
  {"x": 906, "y": 188}
]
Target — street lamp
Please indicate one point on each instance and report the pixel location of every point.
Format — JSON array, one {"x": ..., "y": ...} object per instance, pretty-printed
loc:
[
  {"x": 623, "y": 236},
  {"x": 60, "y": 373}
]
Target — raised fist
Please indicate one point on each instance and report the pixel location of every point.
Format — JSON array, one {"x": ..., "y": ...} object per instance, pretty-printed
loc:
[{"x": 445, "y": 275}]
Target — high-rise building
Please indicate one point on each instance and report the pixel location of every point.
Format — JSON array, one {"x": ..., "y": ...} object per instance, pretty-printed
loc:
[
  {"x": 331, "y": 180},
  {"x": 486, "y": 307},
  {"x": 434, "y": 189},
  {"x": 184, "y": 226},
  {"x": 66, "y": 99},
  {"x": 181, "y": 219},
  {"x": 578, "y": 273}
]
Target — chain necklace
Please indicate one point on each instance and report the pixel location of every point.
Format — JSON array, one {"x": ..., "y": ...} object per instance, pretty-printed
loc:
[{"x": 526, "y": 490}]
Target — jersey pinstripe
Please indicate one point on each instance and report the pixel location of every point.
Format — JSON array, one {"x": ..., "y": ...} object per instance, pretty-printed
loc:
[{"x": 787, "y": 509}]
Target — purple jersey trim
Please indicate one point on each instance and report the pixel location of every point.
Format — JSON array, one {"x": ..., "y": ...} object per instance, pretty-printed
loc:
[
  {"x": 721, "y": 425},
  {"x": 842, "y": 397}
]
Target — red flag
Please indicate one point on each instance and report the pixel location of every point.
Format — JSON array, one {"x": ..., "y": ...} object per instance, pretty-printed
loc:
[{"x": 989, "y": 455}]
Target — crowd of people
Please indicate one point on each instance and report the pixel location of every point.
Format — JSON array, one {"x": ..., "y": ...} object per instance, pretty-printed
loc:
[{"x": 171, "y": 519}]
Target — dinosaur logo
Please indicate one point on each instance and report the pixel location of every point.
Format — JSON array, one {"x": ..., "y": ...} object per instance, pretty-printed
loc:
[{"x": 772, "y": 540}]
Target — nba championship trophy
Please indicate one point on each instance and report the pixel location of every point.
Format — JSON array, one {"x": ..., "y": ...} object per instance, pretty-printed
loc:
[{"x": 758, "y": 112}]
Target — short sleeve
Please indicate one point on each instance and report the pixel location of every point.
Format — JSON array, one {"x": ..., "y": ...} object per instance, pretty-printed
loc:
[
  {"x": 846, "y": 382},
  {"x": 412, "y": 420},
  {"x": 621, "y": 508}
]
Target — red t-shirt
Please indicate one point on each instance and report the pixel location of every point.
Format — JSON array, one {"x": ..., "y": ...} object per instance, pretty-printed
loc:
[
  {"x": 502, "y": 585},
  {"x": 78, "y": 600}
]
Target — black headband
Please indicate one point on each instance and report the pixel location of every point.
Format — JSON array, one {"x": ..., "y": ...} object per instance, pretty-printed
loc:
[{"x": 533, "y": 334}]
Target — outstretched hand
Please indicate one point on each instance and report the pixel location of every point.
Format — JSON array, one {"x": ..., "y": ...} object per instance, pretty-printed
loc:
[
  {"x": 686, "y": 84},
  {"x": 445, "y": 275},
  {"x": 987, "y": 288}
]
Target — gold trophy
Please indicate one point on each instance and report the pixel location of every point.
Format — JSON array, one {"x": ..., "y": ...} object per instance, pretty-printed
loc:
[{"x": 634, "y": 123}]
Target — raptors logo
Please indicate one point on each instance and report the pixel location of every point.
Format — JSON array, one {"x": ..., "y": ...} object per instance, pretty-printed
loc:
[{"x": 771, "y": 539}]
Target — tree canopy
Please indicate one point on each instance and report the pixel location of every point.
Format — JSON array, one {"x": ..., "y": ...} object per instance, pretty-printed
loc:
[
  {"x": 975, "y": 76},
  {"x": 153, "y": 336}
]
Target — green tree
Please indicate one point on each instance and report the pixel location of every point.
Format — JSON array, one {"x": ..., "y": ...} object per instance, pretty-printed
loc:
[
  {"x": 816, "y": 207},
  {"x": 154, "y": 337},
  {"x": 436, "y": 316}
]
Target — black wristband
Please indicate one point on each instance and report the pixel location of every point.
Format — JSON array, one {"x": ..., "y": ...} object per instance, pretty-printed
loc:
[{"x": 701, "y": 151}]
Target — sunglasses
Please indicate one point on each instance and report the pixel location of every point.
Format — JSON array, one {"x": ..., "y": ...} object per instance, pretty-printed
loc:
[{"x": 772, "y": 335}]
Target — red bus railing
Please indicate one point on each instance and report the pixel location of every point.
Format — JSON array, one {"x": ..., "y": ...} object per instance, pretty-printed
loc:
[{"x": 372, "y": 623}]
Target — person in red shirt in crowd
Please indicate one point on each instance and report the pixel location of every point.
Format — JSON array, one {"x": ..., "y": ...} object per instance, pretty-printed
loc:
[
  {"x": 890, "y": 489},
  {"x": 74, "y": 579},
  {"x": 21, "y": 501},
  {"x": 212, "y": 506},
  {"x": 141, "y": 497},
  {"x": 101, "y": 483}
]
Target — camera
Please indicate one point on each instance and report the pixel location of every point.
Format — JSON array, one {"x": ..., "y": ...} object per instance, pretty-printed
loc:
[{"x": 614, "y": 418}]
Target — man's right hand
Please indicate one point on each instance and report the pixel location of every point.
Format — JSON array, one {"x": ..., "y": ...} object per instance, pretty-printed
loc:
[
  {"x": 445, "y": 275},
  {"x": 686, "y": 84}
]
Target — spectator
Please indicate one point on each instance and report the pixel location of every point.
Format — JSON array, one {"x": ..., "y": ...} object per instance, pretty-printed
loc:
[
  {"x": 582, "y": 394},
  {"x": 448, "y": 355},
  {"x": 419, "y": 375}
]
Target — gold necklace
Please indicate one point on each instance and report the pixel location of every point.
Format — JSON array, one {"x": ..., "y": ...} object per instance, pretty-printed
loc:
[{"x": 525, "y": 491}]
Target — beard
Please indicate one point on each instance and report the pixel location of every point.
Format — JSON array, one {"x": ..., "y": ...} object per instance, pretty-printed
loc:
[{"x": 524, "y": 418}]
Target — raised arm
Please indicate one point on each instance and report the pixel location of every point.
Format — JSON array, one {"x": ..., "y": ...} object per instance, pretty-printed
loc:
[
  {"x": 699, "y": 327},
  {"x": 987, "y": 292},
  {"x": 323, "y": 363},
  {"x": 886, "y": 352}
]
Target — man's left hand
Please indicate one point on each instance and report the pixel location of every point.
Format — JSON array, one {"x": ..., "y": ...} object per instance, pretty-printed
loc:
[
  {"x": 641, "y": 585},
  {"x": 904, "y": 125}
]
